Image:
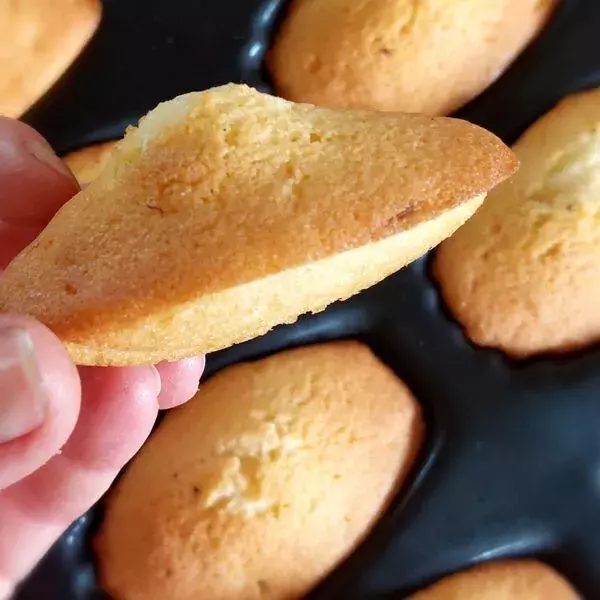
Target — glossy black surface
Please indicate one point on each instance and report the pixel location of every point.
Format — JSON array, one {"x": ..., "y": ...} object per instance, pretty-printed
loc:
[{"x": 512, "y": 462}]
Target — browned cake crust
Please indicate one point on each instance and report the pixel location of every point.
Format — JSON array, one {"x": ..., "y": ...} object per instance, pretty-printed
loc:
[
  {"x": 87, "y": 163},
  {"x": 426, "y": 56},
  {"x": 39, "y": 39},
  {"x": 502, "y": 580},
  {"x": 524, "y": 274},
  {"x": 260, "y": 485},
  {"x": 216, "y": 219}
]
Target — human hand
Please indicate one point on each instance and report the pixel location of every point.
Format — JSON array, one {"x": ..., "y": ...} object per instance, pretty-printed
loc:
[{"x": 64, "y": 432}]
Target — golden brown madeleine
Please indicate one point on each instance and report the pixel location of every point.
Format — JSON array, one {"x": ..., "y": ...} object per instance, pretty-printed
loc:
[
  {"x": 229, "y": 211},
  {"x": 502, "y": 580},
  {"x": 426, "y": 56},
  {"x": 87, "y": 163},
  {"x": 39, "y": 39},
  {"x": 524, "y": 274},
  {"x": 260, "y": 485}
]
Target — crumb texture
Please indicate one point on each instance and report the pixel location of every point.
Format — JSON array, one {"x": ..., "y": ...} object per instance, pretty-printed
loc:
[{"x": 264, "y": 482}]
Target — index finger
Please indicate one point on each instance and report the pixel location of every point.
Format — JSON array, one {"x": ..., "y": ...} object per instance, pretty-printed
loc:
[{"x": 34, "y": 182}]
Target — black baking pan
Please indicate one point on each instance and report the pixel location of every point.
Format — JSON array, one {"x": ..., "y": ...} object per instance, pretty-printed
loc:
[{"x": 512, "y": 462}]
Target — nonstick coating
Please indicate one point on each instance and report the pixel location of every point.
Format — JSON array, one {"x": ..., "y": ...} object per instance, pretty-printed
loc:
[{"x": 512, "y": 462}]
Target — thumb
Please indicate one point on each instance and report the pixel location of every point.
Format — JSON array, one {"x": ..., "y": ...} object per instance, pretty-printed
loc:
[{"x": 39, "y": 397}]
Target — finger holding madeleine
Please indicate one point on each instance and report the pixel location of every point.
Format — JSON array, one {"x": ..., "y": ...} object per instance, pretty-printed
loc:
[{"x": 227, "y": 212}]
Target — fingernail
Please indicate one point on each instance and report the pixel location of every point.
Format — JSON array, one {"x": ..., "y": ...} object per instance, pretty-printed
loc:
[
  {"x": 43, "y": 152},
  {"x": 23, "y": 400}
]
